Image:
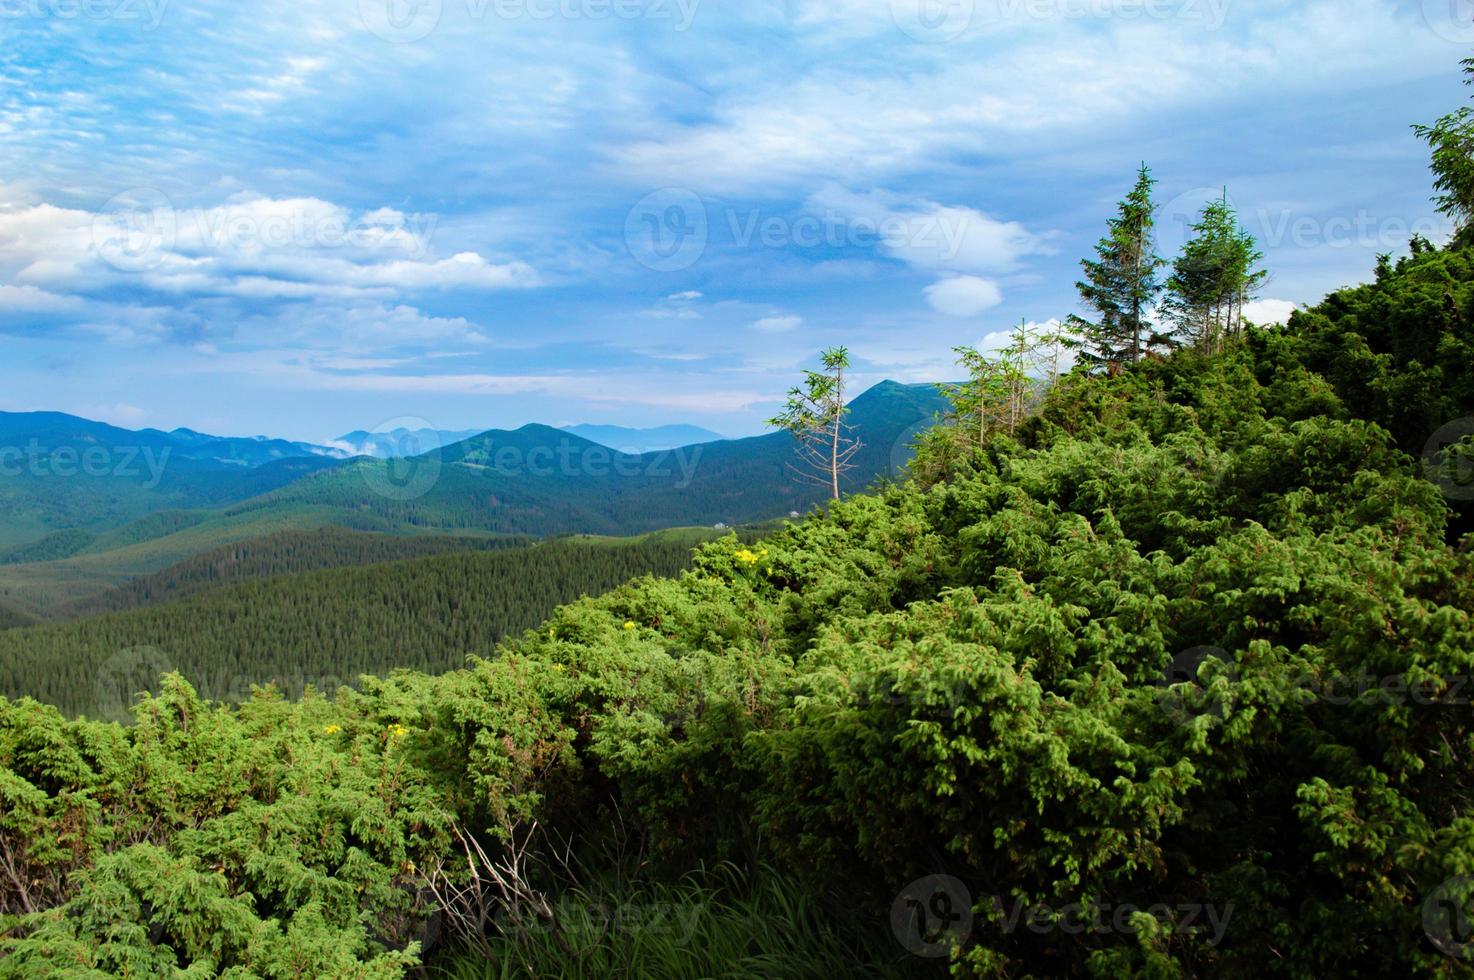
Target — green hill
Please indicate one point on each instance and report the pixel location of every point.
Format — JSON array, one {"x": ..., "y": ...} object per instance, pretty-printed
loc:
[
  {"x": 282, "y": 553},
  {"x": 227, "y": 627},
  {"x": 536, "y": 481},
  {"x": 543, "y": 481}
]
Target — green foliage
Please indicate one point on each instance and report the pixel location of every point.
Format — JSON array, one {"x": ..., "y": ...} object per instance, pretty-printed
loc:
[
  {"x": 1121, "y": 283},
  {"x": 1212, "y": 279},
  {"x": 996, "y": 674},
  {"x": 284, "y": 553},
  {"x": 1451, "y": 139},
  {"x": 321, "y": 628}
]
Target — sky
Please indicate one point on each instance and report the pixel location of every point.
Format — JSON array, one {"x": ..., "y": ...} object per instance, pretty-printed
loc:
[{"x": 301, "y": 218}]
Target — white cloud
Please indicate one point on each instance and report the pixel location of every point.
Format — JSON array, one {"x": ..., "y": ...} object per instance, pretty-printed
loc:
[
  {"x": 778, "y": 324},
  {"x": 1017, "y": 84},
  {"x": 963, "y": 295},
  {"x": 1267, "y": 311},
  {"x": 29, "y": 299},
  {"x": 928, "y": 235}
]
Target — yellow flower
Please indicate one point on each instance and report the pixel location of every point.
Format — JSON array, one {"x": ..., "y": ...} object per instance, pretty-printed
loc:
[
  {"x": 332, "y": 729},
  {"x": 398, "y": 731},
  {"x": 629, "y": 624},
  {"x": 747, "y": 557},
  {"x": 559, "y": 668}
]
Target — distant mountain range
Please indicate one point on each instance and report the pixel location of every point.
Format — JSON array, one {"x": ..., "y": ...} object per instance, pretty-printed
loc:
[
  {"x": 86, "y": 507},
  {"x": 403, "y": 443},
  {"x": 645, "y": 440}
]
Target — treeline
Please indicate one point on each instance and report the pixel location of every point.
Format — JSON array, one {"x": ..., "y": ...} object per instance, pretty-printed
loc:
[
  {"x": 322, "y": 628},
  {"x": 283, "y": 553}
]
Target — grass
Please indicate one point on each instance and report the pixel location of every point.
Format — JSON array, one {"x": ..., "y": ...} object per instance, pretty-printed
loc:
[{"x": 720, "y": 923}]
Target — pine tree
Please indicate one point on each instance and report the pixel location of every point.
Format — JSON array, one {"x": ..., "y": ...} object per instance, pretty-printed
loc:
[
  {"x": 1121, "y": 284},
  {"x": 1451, "y": 139},
  {"x": 1212, "y": 280},
  {"x": 815, "y": 414}
]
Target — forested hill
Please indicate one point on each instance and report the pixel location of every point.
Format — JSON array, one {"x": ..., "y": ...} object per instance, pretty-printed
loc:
[
  {"x": 543, "y": 481},
  {"x": 283, "y": 553},
  {"x": 323, "y": 628}
]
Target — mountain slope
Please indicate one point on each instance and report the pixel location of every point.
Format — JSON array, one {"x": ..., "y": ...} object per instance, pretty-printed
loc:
[
  {"x": 536, "y": 481},
  {"x": 326, "y": 627},
  {"x": 60, "y": 474},
  {"x": 543, "y": 481}
]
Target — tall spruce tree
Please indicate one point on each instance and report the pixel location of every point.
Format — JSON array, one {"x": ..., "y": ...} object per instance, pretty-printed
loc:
[
  {"x": 1211, "y": 281},
  {"x": 1121, "y": 284}
]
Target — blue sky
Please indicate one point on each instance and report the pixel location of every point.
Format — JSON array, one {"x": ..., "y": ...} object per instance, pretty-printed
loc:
[{"x": 301, "y": 218}]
